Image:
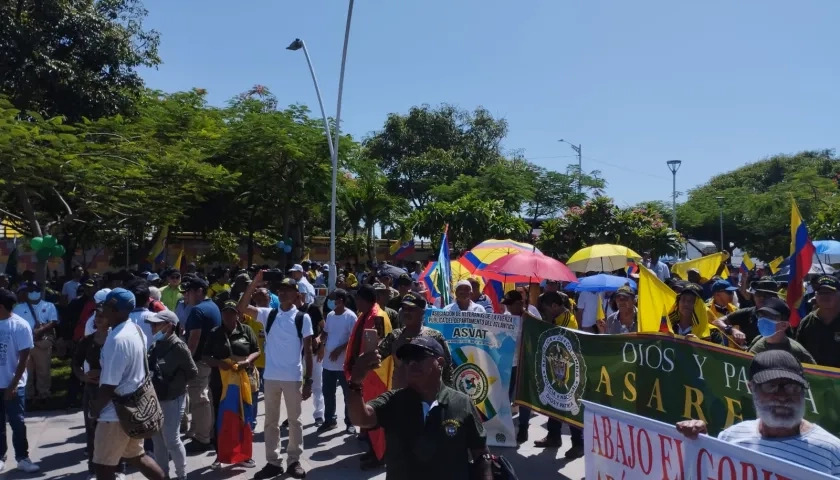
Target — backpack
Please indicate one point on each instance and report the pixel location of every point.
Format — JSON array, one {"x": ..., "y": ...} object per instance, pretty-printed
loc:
[{"x": 298, "y": 322}]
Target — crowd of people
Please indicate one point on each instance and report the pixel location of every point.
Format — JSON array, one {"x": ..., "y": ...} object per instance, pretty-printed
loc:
[{"x": 176, "y": 335}]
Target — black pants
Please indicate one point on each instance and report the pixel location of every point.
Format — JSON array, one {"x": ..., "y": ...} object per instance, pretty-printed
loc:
[{"x": 555, "y": 428}]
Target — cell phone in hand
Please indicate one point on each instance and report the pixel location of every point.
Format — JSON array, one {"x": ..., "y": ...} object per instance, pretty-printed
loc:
[
  {"x": 370, "y": 340},
  {"x": 273, "y": 276}
]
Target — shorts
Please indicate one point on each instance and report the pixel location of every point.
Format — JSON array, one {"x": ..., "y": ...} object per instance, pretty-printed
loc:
[{"x": 111, "y": 444}]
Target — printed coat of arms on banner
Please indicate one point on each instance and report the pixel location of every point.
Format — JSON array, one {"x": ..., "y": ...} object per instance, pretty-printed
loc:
[{"x": 560, "y": 370}]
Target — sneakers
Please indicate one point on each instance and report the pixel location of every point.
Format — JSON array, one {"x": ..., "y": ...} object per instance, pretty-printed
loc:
[
  {"x": 269, "y": 471},
  {"x": 250, "y": 463},
  {"x": 319, "y": 422},
  {"x": 26, "y": 465},
  {"x": 296, "y": 471},
  {"x": 350, "y": 430},
  {"x": 326, "y": 427},
  {"x": 2, "y": 465}
]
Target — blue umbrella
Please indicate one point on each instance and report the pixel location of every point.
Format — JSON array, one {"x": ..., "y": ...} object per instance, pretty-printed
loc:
[
  {"x": 827, "y": 251},
  {"x": 601, "y": 283}
]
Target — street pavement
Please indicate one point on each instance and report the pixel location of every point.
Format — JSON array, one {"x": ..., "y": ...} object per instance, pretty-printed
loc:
[{"x": 57, "y": 442}]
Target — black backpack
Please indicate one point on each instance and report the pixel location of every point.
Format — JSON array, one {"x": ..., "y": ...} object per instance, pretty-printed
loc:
[{"x": 298, "y": 322}]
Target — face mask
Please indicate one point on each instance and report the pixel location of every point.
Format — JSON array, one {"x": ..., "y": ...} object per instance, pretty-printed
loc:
[
  {"x": 766, "y": 327},
  {"x": 331, "y": 304},
  {"x": 158, "y": 336},
  {"x": 34, "y": 296}
]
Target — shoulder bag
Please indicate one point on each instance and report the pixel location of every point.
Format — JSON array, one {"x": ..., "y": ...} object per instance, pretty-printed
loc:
[{"x": 140, "y": 413}]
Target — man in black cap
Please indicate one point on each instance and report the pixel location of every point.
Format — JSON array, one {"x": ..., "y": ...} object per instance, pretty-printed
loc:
[
  {"x": 429, "y": 427},
  {"x": 773, "y": 325},
  {"x": 204, "y": 316},
  {"x": 412, "y": 310},
  {"x": 819, "y": 331},
  {"x": 745, "y": 320},
  {"x": 778, "y": 386}
]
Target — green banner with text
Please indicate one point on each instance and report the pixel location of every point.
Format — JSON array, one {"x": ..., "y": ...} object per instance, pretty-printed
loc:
[{"x": 655, "y": 375}]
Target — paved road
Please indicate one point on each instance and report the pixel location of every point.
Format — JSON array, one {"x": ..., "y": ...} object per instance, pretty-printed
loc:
[{"x": 56, "y": 442}]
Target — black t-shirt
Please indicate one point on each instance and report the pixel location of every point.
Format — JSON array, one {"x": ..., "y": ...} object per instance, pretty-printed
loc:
[
  {"x": 241, "y": 342},
  {"x": 746, "y": 321},
  {"x": 90, "y": 351},
  {"x": 316, "y": 316},
  {"x": 436, "y": 446},
  {"x": 822, "y": 341}
]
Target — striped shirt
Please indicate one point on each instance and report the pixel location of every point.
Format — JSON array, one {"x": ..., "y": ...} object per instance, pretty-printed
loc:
[{"x": 815, "y": 449}]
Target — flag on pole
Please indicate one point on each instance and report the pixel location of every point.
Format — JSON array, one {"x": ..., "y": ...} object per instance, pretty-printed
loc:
[
  {"x": 178, "y": 261},
  {"x": 402, "y": 249},
  {"x": 801, "y": 255},
  {"x": 774, "y": 264},
  {"x": 747, "y": 264},
  {"x": 444, "y": 270},
  {"x": 158, "y": 252}
]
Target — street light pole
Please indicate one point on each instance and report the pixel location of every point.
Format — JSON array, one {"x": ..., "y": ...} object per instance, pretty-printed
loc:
[
  {"x": 333, "y": 141},
  {"x": 720, "y": 204},
  {"x": 578, "y": 149},
  {"x": 674, "y": 165}
]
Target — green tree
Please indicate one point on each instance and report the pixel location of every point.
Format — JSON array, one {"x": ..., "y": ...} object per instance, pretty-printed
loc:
[
  {"x": 76, "y": 58},
  {"x": 428, "y": 147},
  {"x": 555, "y": 191},
  {"x": 757, "y": 201}
]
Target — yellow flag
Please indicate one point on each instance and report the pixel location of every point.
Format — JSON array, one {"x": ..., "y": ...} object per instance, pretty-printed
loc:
[
  {"x": 655, "y": 298},
  {"x": 708, "y": 266},
  {"x": 600, "y": 315},
  {"x": 179, "y": 259},
  {"x": 774, "y": 264}
]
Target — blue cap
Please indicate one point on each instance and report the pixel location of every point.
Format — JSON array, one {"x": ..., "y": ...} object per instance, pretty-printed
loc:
[
  {"x": 723, "y": 286},
  {"x": 121, "y": 299}
]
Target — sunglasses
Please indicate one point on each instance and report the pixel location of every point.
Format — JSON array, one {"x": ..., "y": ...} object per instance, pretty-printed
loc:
[{"x": 789, "y": 388}]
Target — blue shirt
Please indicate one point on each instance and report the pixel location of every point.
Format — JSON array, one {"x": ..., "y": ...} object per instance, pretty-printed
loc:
[
  {"x": 274, "y": 302},
  {"x": 205, "y": 317}
]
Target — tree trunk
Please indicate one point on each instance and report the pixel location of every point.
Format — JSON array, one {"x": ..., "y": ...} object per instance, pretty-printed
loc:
[
  {"x": 287, "y": 220},
  {"x": 355, "y": 232},
  {"x": 35, "y": 227}
]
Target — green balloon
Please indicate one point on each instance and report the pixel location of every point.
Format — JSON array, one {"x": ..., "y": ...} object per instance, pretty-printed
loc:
[
  {"x": 43, "y": 254},
  {"x": 49, "y": 241},
  {"x": 36, "y": 243},
  {"x": 58, "y": 251}
]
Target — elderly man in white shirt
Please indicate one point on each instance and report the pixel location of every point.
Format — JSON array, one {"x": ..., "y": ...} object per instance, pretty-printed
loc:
[{"x": 463, "y": 302}]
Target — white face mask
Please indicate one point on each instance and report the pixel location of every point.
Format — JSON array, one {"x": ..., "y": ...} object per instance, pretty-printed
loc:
[{"x": 34, "y": 297}]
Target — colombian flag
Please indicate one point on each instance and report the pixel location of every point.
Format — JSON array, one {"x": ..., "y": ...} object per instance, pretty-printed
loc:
[
  {"x": 233, "y": 421},
  {"x": 158, "y": 252},
  {"x": 632, "y": 268},
  {"x": 378, "y": 381},
  {"x": 747, "y": 264},
  {"x": 801, "y": 255},
  {"x": 400, "y": 250}
]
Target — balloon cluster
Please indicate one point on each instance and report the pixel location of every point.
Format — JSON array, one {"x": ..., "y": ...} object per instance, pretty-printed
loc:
[
  {"x": 46, "y": 247},
  {"x": 285, "y": 245}
]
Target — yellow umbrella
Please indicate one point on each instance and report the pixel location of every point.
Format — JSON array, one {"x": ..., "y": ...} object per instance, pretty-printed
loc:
[{"x": 601, "y": 258}]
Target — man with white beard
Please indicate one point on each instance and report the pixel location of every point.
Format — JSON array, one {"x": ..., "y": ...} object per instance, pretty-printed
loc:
[{"x": 778, "y": 385}]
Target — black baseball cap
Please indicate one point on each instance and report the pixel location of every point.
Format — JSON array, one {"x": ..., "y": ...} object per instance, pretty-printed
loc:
[
  {"x": 828, "y": 282},
  {"x": 511, "y": 297},
  {"x": 412, "y": 299},
  {"x": 419, "y": 348},
  {"x": 775, "y": 306},
  {"x": 766, "y": 285},
  {"x": 192, "y": 283},
  {"x": 404, "y": 280},
  {"x": 775, "y": 365},
  {"x": 90, "y": 282},
  {"x": 693, "y": 289}
]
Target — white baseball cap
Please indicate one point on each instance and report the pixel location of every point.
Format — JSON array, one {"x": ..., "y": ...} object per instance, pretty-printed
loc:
[
  {"x": 99, "y": 297},
  {"x": 296, "y": 268}
]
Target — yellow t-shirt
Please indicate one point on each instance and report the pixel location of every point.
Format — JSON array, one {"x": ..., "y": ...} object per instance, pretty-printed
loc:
[
  {"x": 567, "y": 320},
  {"x": 351, "y": 280},
  {"x": 259, "y": 330},
  {"x": 715, "y": 313},
  {"x": 217, "y": 288}
]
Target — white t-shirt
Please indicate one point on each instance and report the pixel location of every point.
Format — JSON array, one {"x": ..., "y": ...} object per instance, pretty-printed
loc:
[
  {"x": 70, "y": 289},
  {"x": 588, "y": 302},
  {"x": 139, "y": 316},
  {"x": 15, "y": 335},
  {"x": 474, "y": 307},
  {"x": 338, "y": 328},
  {"x": 307, "y": 290},
  {"x": 123, "y": 363},
  {"x": 44, "y": 310},
  {"x": 283, "y": 348}
]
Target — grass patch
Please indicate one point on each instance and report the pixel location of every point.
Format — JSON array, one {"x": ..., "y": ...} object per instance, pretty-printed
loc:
[{"x": 61, "y": 372}]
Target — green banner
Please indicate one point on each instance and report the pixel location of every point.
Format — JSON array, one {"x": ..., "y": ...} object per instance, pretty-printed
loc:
[{"x": 655, "y": 375}]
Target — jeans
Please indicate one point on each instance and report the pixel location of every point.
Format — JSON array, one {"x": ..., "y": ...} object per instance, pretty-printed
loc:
[
  {"x": 167, "y": 441},
  {"x": 524, "y": 412},
  {"x": 331, "y": 380},
  {"x": 317, "y": 394},
  {"x": 13, "y": 412}
]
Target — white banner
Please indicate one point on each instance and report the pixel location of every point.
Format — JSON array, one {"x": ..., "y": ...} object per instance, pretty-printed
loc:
[{"x": 624, "y": 446}]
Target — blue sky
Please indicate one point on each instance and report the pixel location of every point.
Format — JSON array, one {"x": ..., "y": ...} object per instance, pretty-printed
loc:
[{"x": 717, "y": 83}]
